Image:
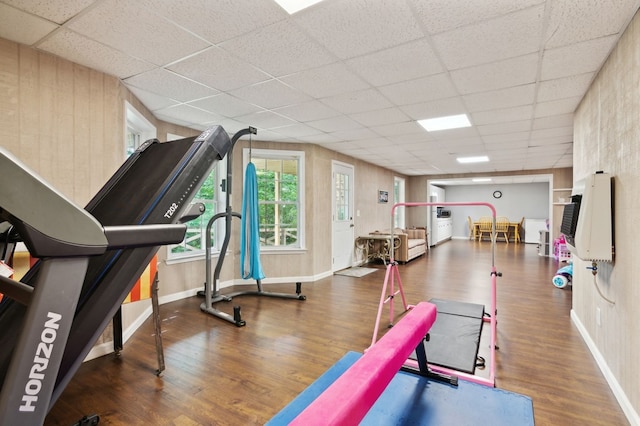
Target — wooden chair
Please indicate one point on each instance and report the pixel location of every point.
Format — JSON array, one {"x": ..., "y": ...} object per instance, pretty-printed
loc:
[
  {"x": 485, "y": 227},
  {"x": 502, "y": 227},
  {"x": 520, "y": 226},
  {"x": 472, "y": 232}
]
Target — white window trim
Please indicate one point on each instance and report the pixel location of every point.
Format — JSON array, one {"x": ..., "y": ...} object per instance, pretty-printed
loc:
[
  {"x": 133, "y": 118},
  {"x": 280, "y": 155}
]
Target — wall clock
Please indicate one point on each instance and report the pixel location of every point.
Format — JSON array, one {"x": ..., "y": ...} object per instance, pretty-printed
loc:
[{"x": 497, "y": 194}]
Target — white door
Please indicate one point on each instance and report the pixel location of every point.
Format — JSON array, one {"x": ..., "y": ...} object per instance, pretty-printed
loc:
[{"x": 342, "y": 215}]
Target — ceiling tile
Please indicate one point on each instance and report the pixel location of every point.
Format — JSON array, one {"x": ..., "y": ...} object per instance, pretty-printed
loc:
[
  {"x": 380, "y": 117},
  {"x": 82, "y": 50},
  {"x": 307, "y": 111},
  {"x": 497, "y": 75},
  {"x": 576, "y": 59},
  {"x": 328, "y": 80},
  {"x": 231, "y": 126},
  {"x": 566, "y": 87},
  {"x": 265, "y": 120},
  {"x": 335, "y": 124},
  {"x": 419, "y": 90},
  {"x": 506, "y": 137},
  {"x": 374, "y": 142},
  {"x": 355, "y": 134},
  {"x": 360, "y": 101},
  {"x": 404, "y": 62},
  {"x": 507, "y": 36},
  {"x": 562, "y": 120},
  {"x": 501, "y": 115},
  {"x": 270, "y": 94},
  {"x": 444, "y": 15},
  {"x": 117, "y": 22},
  {"x": 152, "y": 101},
  {"x": 226, "y": 105},
  {"x": 437, "y": 108},
  {"x": 271, "y": 136},
  {"x": 219, "y": 69},
  {"x": 560, "y": 106},
  {"x": 216, "y": 22},
  {"x": 22, "y": 27},
  {"x": 167, "y": 83},
  {"x": 350, "y": 28},
  {"x": 279, "y": 49},
  {"x": 505, "y": 146},
  {"x": 553, "y": 132},
  {"x": 297, "y": 130},
  {"x": 570, "y": 21},
  {"x": 54, "y": 11},
  {"x": 399, "y": 129},
  {"x": 470, "y": 133},
  {"x": 188, "y": 114},
  {"x": 502, "y": 98},
  {"x": 320, "y": 139},
  {"x": 514, "y": 126}
]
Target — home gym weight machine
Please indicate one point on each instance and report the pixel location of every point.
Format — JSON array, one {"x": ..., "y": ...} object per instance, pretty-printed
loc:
[{"x": 211, "y": 292}]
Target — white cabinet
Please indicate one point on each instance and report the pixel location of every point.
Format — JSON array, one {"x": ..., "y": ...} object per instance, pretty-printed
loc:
[
  {"x": 444, "y": 229},
  {"x": 532, "y": 227}
]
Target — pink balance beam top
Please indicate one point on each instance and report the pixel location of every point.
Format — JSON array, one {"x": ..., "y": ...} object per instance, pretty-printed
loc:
[{"x": 350, "y": 397}]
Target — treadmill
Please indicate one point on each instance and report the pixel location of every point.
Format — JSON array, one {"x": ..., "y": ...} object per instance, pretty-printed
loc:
[{"x": 89, "y": 260}]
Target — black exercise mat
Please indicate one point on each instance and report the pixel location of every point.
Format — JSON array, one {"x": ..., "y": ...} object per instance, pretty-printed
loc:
[{"x": 454, "y": 339}]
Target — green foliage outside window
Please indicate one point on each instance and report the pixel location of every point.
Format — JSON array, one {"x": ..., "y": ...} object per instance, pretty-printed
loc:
[
  {"x": 278, "y": 201},
  {"x": 195, "y": 238}
]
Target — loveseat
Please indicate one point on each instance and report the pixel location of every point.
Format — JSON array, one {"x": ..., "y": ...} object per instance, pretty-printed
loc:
[{"x": 413, "y": 243}]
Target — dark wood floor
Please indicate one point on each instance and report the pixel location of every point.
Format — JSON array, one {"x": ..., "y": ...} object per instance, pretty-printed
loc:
[{"x": 218, "y": 374}]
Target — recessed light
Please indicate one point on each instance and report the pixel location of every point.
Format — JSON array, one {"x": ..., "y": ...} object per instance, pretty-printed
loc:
[
  {"x": 293, "y": 6},
  {"x": 445, "y": 123},
  {"x": 481, "y": 180},
  {"x": 480, "y": 159}
]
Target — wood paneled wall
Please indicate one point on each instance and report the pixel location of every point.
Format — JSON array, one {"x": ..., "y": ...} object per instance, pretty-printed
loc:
[{"x": 61, "y": 119}]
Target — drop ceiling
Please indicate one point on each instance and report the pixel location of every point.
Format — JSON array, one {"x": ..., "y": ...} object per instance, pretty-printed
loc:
[{"x": 352, "y": 76}]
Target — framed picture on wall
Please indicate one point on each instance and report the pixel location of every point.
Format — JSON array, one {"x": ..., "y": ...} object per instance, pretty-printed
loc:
[{"x": 383, "y": 196}]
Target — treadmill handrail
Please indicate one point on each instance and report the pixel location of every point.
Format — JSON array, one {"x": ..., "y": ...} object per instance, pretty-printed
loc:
[
  {"x": 15, "y": 290},
  {"x": 41, "y": 214},
  {"x": 131, "y": 236}
]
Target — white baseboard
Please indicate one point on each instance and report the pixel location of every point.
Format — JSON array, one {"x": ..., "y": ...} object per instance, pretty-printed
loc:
[
  {"x": 107, "y": 347},
  {"x": 618, "y": 392}
]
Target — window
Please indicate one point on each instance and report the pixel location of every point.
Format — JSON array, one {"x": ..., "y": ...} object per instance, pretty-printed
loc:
[
  {"x": 138, "y": 129},
  {"x": 280, "y": 176},
  {"x": 398, "y": 197},
  {"x": 210, "y": 194}
]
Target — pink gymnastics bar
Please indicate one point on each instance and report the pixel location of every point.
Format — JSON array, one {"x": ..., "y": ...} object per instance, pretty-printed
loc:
[
  {"x": 393, "y": 273},
  {"x": 350, "y": 397}
]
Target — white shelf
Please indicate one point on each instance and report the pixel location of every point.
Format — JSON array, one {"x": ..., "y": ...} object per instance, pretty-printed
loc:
[{"x": 562, "y": 189}]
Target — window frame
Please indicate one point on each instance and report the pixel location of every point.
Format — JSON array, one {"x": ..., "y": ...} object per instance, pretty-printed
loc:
[
  {"x": 134, "y": 120},
  {"x": 299, "y": 156}
]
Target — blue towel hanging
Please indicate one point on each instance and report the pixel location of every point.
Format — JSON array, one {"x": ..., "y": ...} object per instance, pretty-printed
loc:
[{"x": 250, "y": 266}]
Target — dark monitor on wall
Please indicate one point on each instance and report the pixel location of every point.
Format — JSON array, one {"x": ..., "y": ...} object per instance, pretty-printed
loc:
[{"x": 570, "y": 219}]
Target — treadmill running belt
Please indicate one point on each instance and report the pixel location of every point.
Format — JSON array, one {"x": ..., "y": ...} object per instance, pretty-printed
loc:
[{"x": 154, "y": 186}]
